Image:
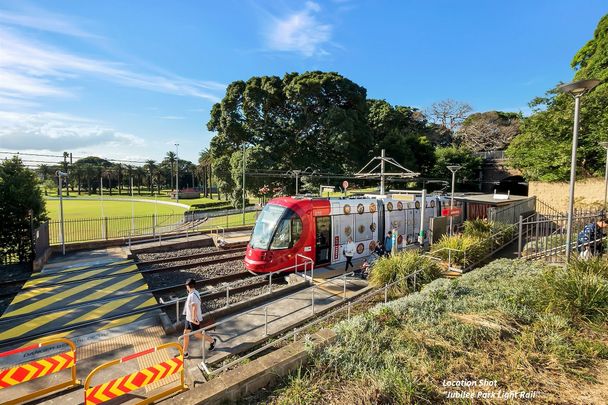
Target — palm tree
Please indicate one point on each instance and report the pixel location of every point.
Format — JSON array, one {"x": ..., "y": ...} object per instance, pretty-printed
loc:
[
  {"x": 141, "y": 173},
  {"x": 204, "y": 161},
  {"x": 120, "y": 176},
  {"x": 44, "y": 171},
  {"x": 150, "y": 166},
  {"x": 171, "y": 160}
]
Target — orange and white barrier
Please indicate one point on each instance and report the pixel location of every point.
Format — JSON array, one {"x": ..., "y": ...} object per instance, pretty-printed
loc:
[
  {"x": 100, "y": 393},
  {"x": 39, "y": 368}
]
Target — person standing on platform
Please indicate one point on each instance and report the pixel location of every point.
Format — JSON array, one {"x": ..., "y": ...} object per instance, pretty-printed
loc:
[
  {"x": 388, "y": 243},
  {"x": 349, "y": 252},
  {"x": 194, "y": 317}
]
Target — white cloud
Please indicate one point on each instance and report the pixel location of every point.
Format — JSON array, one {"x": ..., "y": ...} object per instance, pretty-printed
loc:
[
  {"x": 58, "y": 132},
  {"x": 30, "y": 69},
  {"x": 172, "y": 117},
  {"x": 300, "y": 32},
  {"x": 42, "y": 20}
]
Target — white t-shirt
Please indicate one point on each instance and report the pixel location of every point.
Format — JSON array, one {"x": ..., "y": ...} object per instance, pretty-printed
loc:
[
  {"x": 193, "y": 298},
  {"x": 349, "y": 249}
]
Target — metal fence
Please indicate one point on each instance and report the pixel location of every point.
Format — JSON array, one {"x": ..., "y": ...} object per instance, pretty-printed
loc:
[
  {"x": 511, "y": 213},
  {"x": 107, "y": 228},
  {"x": 543, "y": 236}
]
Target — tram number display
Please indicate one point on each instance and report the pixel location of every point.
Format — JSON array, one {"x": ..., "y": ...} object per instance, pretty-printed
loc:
[{"x": 336, "y": 247}]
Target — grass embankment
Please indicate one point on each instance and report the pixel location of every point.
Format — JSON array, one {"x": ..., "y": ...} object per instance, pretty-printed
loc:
[{"x": 509, "y": 327}]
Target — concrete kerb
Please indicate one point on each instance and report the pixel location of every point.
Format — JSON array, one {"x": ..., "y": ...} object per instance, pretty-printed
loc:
[{"x": 249, "y": 378}]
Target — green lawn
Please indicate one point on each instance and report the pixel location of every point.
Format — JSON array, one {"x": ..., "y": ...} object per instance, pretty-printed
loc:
[{"x": 75, "y": 208}]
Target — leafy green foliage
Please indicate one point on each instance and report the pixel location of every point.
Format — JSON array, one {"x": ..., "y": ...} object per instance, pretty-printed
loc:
[
  {"x": 542, "y": 151},
  {"x": 19, "y": 193},
  {"x": 491, "y": 323},
  {"x": 581, "y": 290},
  {"x": 397, "y": 267},
  {"x": 461, "y": 250},
  {"x": 452, "y": 155},
  {"x": 320, "y": 120}
]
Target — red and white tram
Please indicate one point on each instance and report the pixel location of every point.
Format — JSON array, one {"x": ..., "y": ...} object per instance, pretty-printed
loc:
[{"x": 317, "y": 228}]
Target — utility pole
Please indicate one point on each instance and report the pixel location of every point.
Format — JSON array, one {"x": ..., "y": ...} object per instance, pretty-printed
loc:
[
  {"x": 382, "y": 156},
  {"x": 61, "y": 175},
  {"x": 177, "y": 172},
  {"x": 453, "y": 169}
]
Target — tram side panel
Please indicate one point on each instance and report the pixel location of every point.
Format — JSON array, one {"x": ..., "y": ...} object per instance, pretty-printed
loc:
[{"x": 357, "y": 219}]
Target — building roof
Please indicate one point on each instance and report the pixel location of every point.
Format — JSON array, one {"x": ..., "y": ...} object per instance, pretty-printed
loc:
[{"x": 491, "y": 199}]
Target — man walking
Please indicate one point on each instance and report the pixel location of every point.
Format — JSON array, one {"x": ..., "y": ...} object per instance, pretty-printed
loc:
[
  {"x": 349, "y": 252},
  {"x": 194, "y": 317}
]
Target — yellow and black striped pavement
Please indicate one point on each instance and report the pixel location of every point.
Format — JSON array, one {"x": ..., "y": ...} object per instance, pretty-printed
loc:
[{"x": 73, "y": 294}]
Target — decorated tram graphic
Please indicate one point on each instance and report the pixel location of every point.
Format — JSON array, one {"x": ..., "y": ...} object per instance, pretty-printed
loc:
[{"x": 292, "y": 230}]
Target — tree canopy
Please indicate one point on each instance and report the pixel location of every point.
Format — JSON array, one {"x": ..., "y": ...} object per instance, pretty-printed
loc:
[
  {"x": 542, "y": 151},
  {"x": 19, "y": 193},
  {"x": 320, "y": 120},
  {"x": 487, "y": 131}
]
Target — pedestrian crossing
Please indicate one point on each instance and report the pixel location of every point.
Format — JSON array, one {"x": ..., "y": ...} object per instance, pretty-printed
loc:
[{"x": 66, "y": 297}]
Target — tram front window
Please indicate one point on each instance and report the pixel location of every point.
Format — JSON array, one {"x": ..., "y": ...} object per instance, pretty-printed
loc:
[
  {"x": 288, "y": 232},
  {"x": 265, "y": 226}
]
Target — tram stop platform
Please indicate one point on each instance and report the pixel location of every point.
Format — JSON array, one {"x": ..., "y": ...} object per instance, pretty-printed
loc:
[
  {"x": 232, "y": 239},
  {"x": 245, "y": 330}
]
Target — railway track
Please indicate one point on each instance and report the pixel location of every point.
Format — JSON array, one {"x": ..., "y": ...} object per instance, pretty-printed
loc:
[{"x": 203, "y": 263}]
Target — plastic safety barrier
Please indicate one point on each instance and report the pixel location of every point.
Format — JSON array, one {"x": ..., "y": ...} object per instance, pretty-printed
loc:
[
  {"x": 100, "y": 393},
  {"x": 39, "y": 368}
]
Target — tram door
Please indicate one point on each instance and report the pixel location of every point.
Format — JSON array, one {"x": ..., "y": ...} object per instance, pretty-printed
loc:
[{"x": 323, "y": 240}]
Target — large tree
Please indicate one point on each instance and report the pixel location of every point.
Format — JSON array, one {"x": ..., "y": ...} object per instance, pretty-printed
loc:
[
  {"x": 19, "y": 193},
  {"x": 487, "y": 131},
  {"x": 313, "y": 118},
  {"x": 402, "y": 131},
  {"x": 452, "y": 155},
  {"x": 542, "y": 151},
  {"x": 447, "y": 115}
]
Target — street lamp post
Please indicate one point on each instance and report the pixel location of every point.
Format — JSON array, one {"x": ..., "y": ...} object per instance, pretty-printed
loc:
[
  {"x": 61, "y": 175},
  {"x": 605, "y": 145},
  {"x": 576, "y": 90},
  {"x": 453, "y": 169},
  {"x": 244, "y": 183},
  {"x": 177, "y": 172}
]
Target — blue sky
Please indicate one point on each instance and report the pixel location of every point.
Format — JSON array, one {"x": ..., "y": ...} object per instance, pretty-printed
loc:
[{"x": 129, "y": 79}]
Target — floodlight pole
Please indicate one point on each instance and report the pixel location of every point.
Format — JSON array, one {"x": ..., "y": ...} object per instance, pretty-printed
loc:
[
  {"x": 453, "y": 169},
  {"x": 576, "y": 90},
  {"x": 60, "y": 175}
]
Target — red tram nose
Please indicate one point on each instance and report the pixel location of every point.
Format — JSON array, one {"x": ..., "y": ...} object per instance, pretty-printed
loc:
[{"x": 257, "y": 260}]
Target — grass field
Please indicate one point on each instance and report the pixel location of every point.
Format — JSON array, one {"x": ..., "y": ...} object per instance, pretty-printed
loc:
[{"x": 75, "y": 208}]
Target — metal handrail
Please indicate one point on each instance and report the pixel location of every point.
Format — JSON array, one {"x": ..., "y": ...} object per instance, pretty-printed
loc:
[
  {"x": 214, "y": 325},
  {"x": 314, "y": 322},
  {"x": 227, "y": 286}
]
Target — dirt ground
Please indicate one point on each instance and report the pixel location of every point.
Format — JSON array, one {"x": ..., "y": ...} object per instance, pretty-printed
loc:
[{"x": 588, "y": 193}]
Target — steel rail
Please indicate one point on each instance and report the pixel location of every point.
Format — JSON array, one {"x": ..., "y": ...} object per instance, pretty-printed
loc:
[
  {"x": 102, "y": 276},
  {"x": 197, "y": 256}
]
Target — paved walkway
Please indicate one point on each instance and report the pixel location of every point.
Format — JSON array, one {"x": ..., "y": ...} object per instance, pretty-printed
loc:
[
  {"x": 243, "y": 331},
  {"x": 73, "y": 289}
]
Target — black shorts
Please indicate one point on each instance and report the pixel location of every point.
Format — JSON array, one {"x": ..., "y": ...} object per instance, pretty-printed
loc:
[{"x": 191, "y": 326}]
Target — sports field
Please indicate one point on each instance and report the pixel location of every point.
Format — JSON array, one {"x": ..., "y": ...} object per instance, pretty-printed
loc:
[{"x": 78, "y": 208}]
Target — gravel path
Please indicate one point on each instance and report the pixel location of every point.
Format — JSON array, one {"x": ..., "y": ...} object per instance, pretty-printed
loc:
[
  {"x": 169, "y": 278},
  {"x": 185, "y": 260},
  {"x": 177, "y": 253}
]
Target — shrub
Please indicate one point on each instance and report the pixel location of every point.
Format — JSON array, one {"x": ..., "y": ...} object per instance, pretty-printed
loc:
[
  {"x": 580, "y": 290},
  {"x": 389, "y": 269},
  {"x": 461, "y": 250},
  {"x": 210, "y": 204}
]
